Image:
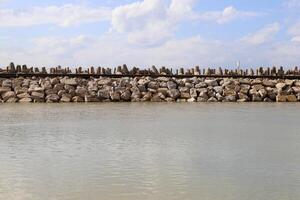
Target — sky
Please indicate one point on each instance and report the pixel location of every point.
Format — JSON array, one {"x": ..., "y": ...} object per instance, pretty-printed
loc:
[{"x": 172, "y": 33}]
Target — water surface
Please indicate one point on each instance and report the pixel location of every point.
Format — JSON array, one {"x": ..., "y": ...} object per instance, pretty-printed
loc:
[{"x": 150, "y": 151}]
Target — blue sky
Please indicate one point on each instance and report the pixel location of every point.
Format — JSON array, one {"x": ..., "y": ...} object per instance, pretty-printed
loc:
[{"x": 172, "y": 33}]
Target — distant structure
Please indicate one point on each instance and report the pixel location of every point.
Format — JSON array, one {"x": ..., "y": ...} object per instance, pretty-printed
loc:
[{"x": 272, "y": 72}]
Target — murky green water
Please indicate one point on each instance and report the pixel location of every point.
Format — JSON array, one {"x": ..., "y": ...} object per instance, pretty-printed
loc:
[{"x": 150, "y": 151}]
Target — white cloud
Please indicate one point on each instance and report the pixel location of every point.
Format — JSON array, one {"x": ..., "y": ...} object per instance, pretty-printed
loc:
[
  {"x": 262, "y": 36},
  {"x": 296, "y": 39},
  {"x": 65, "y": 15},
  {"x": 228, "y": 14},
  {"x": 86, "y": 51},
  {"x": 152, "y": 22},
  {"x": 294, "y": 31}
]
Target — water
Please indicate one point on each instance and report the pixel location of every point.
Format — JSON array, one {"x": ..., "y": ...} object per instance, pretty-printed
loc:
[{"x": 150, "y": 151}]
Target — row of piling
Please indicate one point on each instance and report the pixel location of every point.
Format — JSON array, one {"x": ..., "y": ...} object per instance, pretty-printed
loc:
[{"x": 153, "y": 71}]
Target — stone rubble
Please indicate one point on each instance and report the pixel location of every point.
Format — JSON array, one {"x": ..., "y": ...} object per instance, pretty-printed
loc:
[{"x": 147, "y": 89}]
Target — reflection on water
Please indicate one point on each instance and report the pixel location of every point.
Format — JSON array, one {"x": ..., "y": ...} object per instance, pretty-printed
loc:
[{"x": 150, "y": 151}]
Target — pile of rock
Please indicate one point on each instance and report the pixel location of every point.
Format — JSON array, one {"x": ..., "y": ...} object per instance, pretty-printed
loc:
[{"x": 141, "y": 89}]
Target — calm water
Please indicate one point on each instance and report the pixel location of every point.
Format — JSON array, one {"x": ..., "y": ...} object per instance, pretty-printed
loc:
[{"x": 150, "y": 151}]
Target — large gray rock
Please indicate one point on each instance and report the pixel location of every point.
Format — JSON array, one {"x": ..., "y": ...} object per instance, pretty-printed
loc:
[
  {"x": 103, "y": 94},
  {"x": 230, "y": 98},
  {"x": 12, "y": 100},
  {"x": 212, "y": 83},
  {"x": 147, "y": 96},
  {"x": 106, "y": 81},
  {"x": 201, "y": 85},
  {"x": 153, "y": 85},
  {"x": 245, "y": 88},
  {"x": 4, "y": 89},
  {"x": 156, "y": 98},
  {"x": 53, "y": 97},
  {"x": 77, "y": 99},
  {"x": 185, "y": 95},
  {"x": 218, "y": 89},
  {"x": 37, "y": 95},
  {"x": 171, "y": 85},
  {"x": 7, "y": 83},
  {"x": 269, "y": 83},
  {"x": 71, "y": 81},
  {"x": 212, "y": 99},
  {"x": 263, "y": 93},
  {"x": 8, "y": 95},
  {"x": 23, "y": 95},
  {"x": 281, "y": 86},
  {"x": 65, "y": 98},
  {"x": 193, "y": 93},
  {"x": 174, "y": 93},
  {"x": 291, "y": 98},
  {"x": 115, "y": 96},
  {"x": 126, "y": 95},
  {"x": 81, "y": 91},
  {"x": 25, "y": 100}
]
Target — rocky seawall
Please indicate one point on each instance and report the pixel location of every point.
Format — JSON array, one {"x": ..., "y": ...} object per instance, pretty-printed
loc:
[{"x": 143, "y": 89}]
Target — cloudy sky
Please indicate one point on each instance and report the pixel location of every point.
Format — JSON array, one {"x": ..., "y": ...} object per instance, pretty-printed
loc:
[{"x": 172, "y": 33}]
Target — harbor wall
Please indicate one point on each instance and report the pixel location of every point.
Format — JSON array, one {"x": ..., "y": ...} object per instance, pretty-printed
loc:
[{"x": 147, "y": 89}]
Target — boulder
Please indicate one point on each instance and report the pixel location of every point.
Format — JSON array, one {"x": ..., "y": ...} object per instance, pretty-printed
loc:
[
  {"x": 156, "y": 98},
  {"x": 263, "y": 93},
  {"x": 191, "y": 100},
  {"x": 37, "y": 95},
  {"x": 291, "y": 98},
  {"x": 171, "y": 85},
  {"x": 71, "y": 81},
  {"x": 115, "y": 96},
  {"x": 289, "y": 82},
  {"x": 65, "y": 98},
  {"x": 296, "y": 89},
  {"x": 23, "y": 95},
  {"x": 256, "y": 98},
  {"x": 185, "y": 95},
  {"x": 106, "y": 81},
  {"x": 244, "y": 88},
  {"x": 218, "y": 89},
  {"x": 103, "y": 94},
  {"x": 25, "y": 100},
  {"x": 212, "y": 83},
  {"x": 281, "y": 98},
  {"x": 53, "y": 97},
  {"x": 81, "y": 91},
  {"x": 89, "y": 98},
  {"x": 77, "y": 99},
  {"x": 230, "y": 98},
  {"x": 256, "y": 81},
  {"x": 267, "y": 99},
  {"x": 4, "y": 90},
  {"x": 7, "y": 83},
  {"x": 12, "y": 100},
  {"x": 153, "y": 85},
  {"x": 126, "y": 95},
  {"x": 268, "y": 83},
  {"x": 201, "y": 85},
  {"x": 8, "y": 95},
  {"x": 281, "y": 86},
  {"x": 201, "y": 99},
  {"x": 147, "y": 96},
  {"x": 257, "y": 87},
  {"x": 193, "y": 93},
  {"x": 174, "y": 93},
  {"x": 212, "y": 99}
]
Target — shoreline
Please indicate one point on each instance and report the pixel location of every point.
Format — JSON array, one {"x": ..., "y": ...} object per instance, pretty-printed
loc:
[{"x": 147, "y": 89}]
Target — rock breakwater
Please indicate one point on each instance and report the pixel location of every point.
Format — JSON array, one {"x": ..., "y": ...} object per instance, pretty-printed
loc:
[{"x": 143, "y": 89}]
